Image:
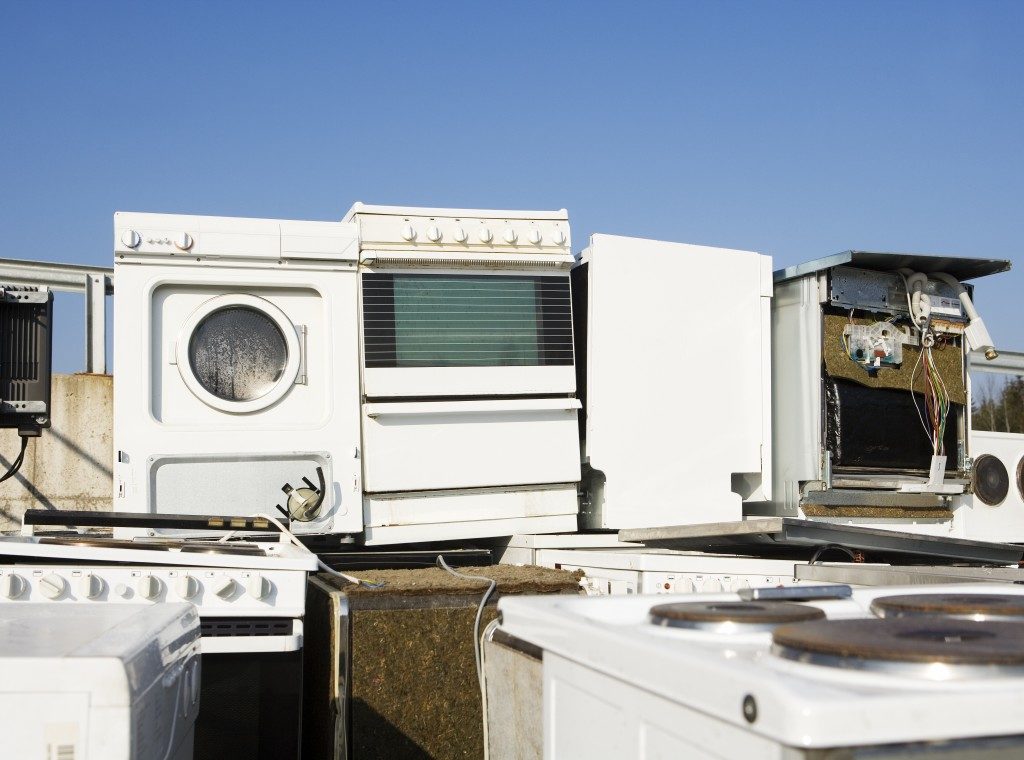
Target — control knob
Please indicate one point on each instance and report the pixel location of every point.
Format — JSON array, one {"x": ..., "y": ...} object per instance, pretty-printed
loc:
[
  {"x": 12, "y": 586},
  {"x": 510, "y": 235},
  {"x": 485, "y": 235},
  {"x": 433, "y": 233},
  {"x": 408, "y": 233},
  {"x": 131, "y": 239},
  {"x": 558, "y": 237},
  {"x": 187, "y": 587},
  {"x": 52, "y": 586},
  {"x": 225, "y": 588},
  {"x": 90, "y": 586},
  {"x": 460, "y": 235},
  {"x": 183, "y": 242},
  {"x": 535, "y": 236},
  {"x": 258, "y": 587},
  {"x": 149, "y": 587}
]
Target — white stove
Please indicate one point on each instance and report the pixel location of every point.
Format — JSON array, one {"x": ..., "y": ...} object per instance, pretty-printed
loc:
[
  {"x": 251, "y": 598},
  {"x": 713, "y": 676},
  {"x": 263, "y": 583}
]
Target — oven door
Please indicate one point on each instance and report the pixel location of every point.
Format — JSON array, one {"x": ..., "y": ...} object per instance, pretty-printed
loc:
[{"x": 457, "y": 333}]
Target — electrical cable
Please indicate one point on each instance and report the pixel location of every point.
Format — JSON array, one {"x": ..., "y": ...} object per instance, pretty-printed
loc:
[
  {"x": 322, "y": 565},
  {"x": 477, "y": 646},
  {"x": 18, "y": 460},
  {"x": 839, "y": 547}
]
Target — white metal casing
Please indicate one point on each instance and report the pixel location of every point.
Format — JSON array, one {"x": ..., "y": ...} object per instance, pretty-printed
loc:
[
  {"x": 660, "y": 571},
  {"x": 99, "y": 683},
  {"x": 1003, "y": 521},
  {"x": 678, "y": 388},
  {"x": 483, "y": 460},
  {"x": 181, "y": 449},
  {"x": 616, "y": 686}
]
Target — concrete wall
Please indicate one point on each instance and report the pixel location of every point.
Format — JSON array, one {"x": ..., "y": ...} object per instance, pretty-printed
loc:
[{"x": 70, "y": 466}]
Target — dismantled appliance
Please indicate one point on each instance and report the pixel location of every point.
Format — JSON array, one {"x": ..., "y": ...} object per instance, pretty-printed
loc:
[
  {"x": 801, "y": 672},
  {"x": 673, "y": 346},
  {"x": 469, "y": 415},
  {"x": 250, "y": 595},
  {"x": 237, "y": 391},
  {"x": 870, "y": 391},
  {"x": 660, "y": 571},
  {"x": 99, "y": 682}
]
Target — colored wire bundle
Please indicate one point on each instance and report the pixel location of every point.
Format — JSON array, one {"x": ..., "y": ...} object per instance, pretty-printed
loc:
[{"x": 936, "y": 398}]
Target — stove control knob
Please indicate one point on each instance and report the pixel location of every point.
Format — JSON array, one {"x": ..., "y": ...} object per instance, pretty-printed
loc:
[
  {"x": 408, "y": 233},
  {"x": 460, "y": 235},
  {"x": 712, "y": 584},
  {"x": 433, "y": 233},
  {"x": 485, "y": 235},
  {"x": 183, "y": 242},
  {"x": 90, "y": 586},
  {"x": 131, "y": 239},
  {"x": 558, "y": 238},
  {"x": 52, "y": 586},
  {"x": 187, "y": 587},
  {"x": 258, "y": 587},
  {"x": 122, "y": 590},
  {"x": 510, "y": 235},
  {"x": 535, "y": 236},
  {"x": 225, "y": 588},
  {"x": 149, "y": 586},
  {"x": 12, "y": 586}
]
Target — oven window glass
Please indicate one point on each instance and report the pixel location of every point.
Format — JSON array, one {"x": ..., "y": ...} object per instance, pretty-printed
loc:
[
  {"x": 237, "y": 353},
  {"x": 428, "y": 320}
]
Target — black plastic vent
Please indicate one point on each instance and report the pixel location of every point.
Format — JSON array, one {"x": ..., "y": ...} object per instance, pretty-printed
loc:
[
  {"x": 26, "y": 314},
  {"x": 246, "y": 627}
]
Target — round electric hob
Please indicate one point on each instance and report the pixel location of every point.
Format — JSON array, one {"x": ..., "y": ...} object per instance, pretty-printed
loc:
[
  {"x": 968, "y": 606},
  {"x": 931, "y": 647},
  {"x": 732, "y": 616}
]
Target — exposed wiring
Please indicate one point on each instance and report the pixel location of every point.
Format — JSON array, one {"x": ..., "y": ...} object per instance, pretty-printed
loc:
[
  {"x": 18, "y": 460},
  {"x": 323, "y": 566},
  {"x": 477, "y": 646}
]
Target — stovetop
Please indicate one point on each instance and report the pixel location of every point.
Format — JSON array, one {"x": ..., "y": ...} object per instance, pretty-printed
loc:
[
  {"x": 889, "y": 664},
  {"x": 91, "y": 549}
]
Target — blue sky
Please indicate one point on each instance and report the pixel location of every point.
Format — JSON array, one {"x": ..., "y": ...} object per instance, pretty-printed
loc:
[{"x": 797, "y": 129}]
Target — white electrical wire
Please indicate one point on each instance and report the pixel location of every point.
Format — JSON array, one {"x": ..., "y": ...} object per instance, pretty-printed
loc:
[
  {"x": 323, "y": 566},
  {"x": 477, "y": 645},
  {"x": 483, "y": 684}
]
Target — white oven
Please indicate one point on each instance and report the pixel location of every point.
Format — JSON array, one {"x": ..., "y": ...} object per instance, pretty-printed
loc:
[{"x": 469, "y": 415}]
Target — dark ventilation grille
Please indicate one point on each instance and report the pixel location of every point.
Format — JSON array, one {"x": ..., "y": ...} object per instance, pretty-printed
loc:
[
  {"x": 245, "y": 627},
  {"x": 25, "y": 353},
  {"x": 428, "y": 320}
]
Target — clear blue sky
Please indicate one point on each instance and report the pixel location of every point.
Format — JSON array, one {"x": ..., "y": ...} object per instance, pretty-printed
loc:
[{"x": 797, "y": 129}]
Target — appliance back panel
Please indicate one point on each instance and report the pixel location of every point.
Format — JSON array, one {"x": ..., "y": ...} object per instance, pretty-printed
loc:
[
  {"x": 879, "y": 428},
  {"x": 25, "y": 356}
]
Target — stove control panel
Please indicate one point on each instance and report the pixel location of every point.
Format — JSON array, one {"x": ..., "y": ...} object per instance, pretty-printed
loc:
[{"x": 215, "y": 591}]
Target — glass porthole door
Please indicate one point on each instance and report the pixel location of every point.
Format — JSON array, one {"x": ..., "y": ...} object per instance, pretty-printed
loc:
[{"x": 238, "y": 353}]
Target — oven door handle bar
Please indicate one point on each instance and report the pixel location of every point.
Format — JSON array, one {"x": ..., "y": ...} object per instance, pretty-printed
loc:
[{"x": 89, "y": 519}]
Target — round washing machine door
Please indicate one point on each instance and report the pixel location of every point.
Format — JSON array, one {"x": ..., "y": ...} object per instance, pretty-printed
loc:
[{"x": 238, "y": 353}]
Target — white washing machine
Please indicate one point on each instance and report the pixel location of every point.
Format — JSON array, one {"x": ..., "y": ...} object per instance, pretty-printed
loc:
[{"x": 236, "y": 356}]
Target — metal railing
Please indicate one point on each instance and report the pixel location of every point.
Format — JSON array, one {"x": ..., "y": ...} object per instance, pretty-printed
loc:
[{"x": 95, "y": 283}]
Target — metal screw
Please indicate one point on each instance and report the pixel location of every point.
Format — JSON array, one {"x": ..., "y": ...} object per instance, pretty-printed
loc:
[{"x": 750, "y": 708}]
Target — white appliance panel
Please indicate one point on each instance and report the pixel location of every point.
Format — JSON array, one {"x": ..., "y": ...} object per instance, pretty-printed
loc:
[
  {"x": 678, "y": 395},
  {"x": 467, "y": 444},
  {"x": 1004, "y": 520}
]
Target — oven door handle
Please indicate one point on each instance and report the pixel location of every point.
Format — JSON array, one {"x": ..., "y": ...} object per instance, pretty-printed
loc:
[{"x": 471, "y": 407}]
